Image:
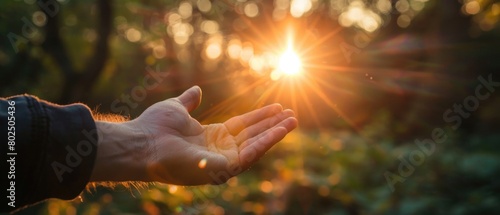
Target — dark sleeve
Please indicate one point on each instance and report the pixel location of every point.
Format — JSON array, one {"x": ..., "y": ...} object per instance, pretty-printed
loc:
[{"x": 47, "y": 151}]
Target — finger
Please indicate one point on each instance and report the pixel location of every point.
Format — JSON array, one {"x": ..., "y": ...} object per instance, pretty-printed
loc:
[
  {"x": 252, "y": 153},
  {"x": 259, "y": 147},
  {"x": 238, "y": 123},
  {"x": 262, "y": 126},
  {"x": 191, "y": 98},
  {"x": 288, "y": 124}
]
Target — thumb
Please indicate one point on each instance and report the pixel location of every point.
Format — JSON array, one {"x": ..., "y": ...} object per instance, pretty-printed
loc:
[{"x": 190, "y": 98}]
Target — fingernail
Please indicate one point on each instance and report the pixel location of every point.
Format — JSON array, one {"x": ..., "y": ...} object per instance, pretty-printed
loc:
[{"x": 277, "y": 107}]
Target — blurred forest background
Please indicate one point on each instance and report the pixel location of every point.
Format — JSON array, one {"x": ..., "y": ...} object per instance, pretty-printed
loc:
[{"x": 376, "y": 75}]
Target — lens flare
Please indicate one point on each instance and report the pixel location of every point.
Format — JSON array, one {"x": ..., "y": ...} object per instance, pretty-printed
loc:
[{"x": 203, "y": 163}]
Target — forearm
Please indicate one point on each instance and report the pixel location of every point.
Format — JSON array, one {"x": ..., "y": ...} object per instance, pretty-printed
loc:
[
  {"x": 54, "y": 143},
  {"x": 121, "y": 153}
]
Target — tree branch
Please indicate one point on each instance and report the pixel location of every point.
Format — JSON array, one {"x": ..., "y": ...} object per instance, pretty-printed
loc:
[{"x": 78, "y": 85}]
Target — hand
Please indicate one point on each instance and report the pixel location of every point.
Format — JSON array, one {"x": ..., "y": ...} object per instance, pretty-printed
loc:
[{"x": 172, "y": 147}]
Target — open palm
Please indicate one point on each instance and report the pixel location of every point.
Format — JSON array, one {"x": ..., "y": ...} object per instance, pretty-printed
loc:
[{"x": 182, "y": 151}]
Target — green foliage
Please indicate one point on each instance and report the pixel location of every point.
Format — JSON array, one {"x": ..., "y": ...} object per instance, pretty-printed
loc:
[
  {"x": 328, "y": 172},
  {"x": 359, "y": 113}
]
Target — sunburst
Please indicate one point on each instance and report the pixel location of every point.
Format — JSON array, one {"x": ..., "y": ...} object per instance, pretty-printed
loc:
[
  {"x": 296, "y": 79},
  {"x": 289, "y": 62}
]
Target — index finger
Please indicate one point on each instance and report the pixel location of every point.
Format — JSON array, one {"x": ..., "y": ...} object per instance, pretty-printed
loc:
[{"x": 236, "y": 124}]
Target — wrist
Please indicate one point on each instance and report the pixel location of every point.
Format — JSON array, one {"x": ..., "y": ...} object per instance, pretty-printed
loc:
[{"x": 121, "y": 153}]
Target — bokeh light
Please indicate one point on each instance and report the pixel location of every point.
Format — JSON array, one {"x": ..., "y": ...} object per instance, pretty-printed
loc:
[
  {"x": 39, "y": 18},
  {"x": 384, "y": 6},
  {"x": 234, "y": 49},
  {"x": 358, "y": 15},
  {"x": 181, "y": 31},
  {"x": 257, "y": 63},
  {"x": 266, "y": 186},
  {"x": 472, "y": 7},
  {"x": 133, "y": 35},
  {"x": 402, "y": 6},
  {"x": 300, "y": 7},
  {"x": 204, "y": 5},
  {"x": 251, "y": 9},
  {"x": 209, "y": 26},
  {"x": 159, "y": 52},
  {"x": 247, "y": 52},
  {"x": 213, "y": 50},
  {"x": 403, "y": 21},
  {"x": 172, "y": 188},
  {"x": 185, "y": 10}
]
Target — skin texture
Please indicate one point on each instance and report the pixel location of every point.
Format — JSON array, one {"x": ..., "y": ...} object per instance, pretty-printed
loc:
[{"x": 166, "y": 144}]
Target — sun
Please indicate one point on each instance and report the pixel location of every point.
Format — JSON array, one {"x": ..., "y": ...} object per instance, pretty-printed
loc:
[{"x": 289, "y": 62}]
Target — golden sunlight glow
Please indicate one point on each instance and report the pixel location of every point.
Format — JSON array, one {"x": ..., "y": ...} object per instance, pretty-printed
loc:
[{"x": 289, "y": 63}]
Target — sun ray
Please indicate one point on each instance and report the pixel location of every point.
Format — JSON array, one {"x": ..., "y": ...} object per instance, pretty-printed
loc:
[
  {"x": 301, "y": 43},
  {"x": 275, "y": 32},
  {"x": 329, "y": 86},
  {"x": 227, "y": 103},
  {"x": 328, "y": 102},
  {"x": 261, "y": 39},
  {"x": 288, "y": 87},
  {"x": 322, "y": 55},
  {"x": 293, "y": 97},
  {"x": 309, "y": 106},
  {"x": 321, "y": 40},
  {"x": 333, "y": 68},
  {"x": 214, "y": 80},
  {"x": 280, "y": 92},
  {"x": 266, "y": 94}
]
